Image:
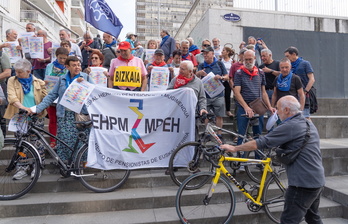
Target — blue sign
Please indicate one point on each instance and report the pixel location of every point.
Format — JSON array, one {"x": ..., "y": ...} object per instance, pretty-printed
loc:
[{"x": 231, "y": 17}]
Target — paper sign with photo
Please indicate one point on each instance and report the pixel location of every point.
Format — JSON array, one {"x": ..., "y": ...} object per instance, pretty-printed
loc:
[
  {"x": 159, "y": 78},
  {"x": 211, "y": 86},
  {"x": 76, "y": 95},
  {"x": 36, "y": 47},
  {"x": 98, "y": 76}
]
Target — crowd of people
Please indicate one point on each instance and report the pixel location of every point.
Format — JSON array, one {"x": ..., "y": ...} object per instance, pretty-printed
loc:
[{"x": 250, "y": 74}]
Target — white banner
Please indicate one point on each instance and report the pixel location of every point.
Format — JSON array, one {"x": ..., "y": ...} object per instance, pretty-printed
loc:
[{"x": 135, "y": 130}]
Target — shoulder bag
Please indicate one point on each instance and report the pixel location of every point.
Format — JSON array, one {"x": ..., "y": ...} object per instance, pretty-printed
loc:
[
  {"x": 288, "y": 156},
  {"x": 258, "y": 106}
]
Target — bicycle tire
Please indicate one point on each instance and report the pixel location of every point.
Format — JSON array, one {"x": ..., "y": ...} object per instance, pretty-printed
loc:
[
  {"x": 253, "y": 170},
  {"x": 190, "y": 205},
  {"x": 98, "y": 180},
  {"x": 181, "y": 165},
  {"x": 274, "y": 195},
  {"x": 11, "y": 189}
]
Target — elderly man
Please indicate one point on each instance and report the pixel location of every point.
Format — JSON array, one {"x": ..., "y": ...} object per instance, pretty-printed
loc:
[
  {"x": 306, "y": 174},
  {"x": 127, "y": 59},
  {"x": 108, "y": 49},
  {"x": 39, "y": 64},
  {"x": 30, "y": 27},
  {"x": 199, "y": 57},
  {"x": 186, "y": 78},
  {"x": 217, "y": 103},
  {"x": 11, "y": 37},
  {"x": 287, "y": 83},
  {"x": 65, "y": 34},
  {"x": 304, "y": 70},
  {"x": 249, "y": 84},
  {"x": 87, "y": 46},
  {"x": 217, "y": 48},
  {"x": 168, "y": 45},
  {"x": 185, "y": 54},
  {"x": 271, "y": 69}
]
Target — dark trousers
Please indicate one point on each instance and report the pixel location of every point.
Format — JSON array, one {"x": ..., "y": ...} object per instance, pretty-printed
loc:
[
  {"x": 301, "y": 202},
  {"x": 227, "y": 96}
]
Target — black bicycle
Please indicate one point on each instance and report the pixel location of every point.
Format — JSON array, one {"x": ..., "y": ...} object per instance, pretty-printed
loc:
[{"x": 19, "y": 151}]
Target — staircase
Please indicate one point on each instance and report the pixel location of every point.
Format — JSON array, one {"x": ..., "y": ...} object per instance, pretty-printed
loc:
[{"x": 148, "y": 196}]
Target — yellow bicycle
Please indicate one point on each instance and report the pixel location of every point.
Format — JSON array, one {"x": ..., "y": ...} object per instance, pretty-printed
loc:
[{"x": 214, "y": 201}]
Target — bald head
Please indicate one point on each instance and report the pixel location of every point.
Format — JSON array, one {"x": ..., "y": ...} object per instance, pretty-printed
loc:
[{"x": 288, "y": 106}]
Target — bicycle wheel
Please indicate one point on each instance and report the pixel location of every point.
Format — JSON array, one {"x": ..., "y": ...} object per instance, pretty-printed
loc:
[
  {"x": 184, "y": 162},
  {"x": 274, "y": 195},
  {"x": 192, "y": 206},
  {"x": 98, "y": 180},
  {"x": 253, "y": 170},
  {"x": 26, "y": 159}
]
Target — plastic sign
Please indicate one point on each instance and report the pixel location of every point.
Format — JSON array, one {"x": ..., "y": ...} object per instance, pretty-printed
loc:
[
  {"x": 127, "y": 76},
  {"x": 231, "y": 17}
]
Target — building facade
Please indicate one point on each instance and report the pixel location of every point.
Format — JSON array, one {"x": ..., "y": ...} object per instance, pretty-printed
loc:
[
  {"x": 155, "y": 15},
  {"x": 49, "y": 15}
]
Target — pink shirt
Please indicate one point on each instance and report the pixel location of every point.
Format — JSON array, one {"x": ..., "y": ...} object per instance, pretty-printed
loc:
[{"x": 137, "y": 62}]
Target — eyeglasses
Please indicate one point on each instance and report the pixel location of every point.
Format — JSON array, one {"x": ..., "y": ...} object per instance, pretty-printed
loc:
[
  {"x": 206, "y": 45},
  {"x": 94, "y": 58}
]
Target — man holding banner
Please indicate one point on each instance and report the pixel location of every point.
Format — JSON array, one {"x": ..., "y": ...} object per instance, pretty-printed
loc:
[{"x": 126, "y": 71}]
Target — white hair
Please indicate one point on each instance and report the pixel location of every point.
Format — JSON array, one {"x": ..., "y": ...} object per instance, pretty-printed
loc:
[
  {"x": 290, "y": 102},
  {"x": 189, "y": 65},
  {"x": 22, "y": 64},
  {"x": 66, "y": 31},
  {"x": 185, "y": 42},
  {"x": 268, "y": 51}
]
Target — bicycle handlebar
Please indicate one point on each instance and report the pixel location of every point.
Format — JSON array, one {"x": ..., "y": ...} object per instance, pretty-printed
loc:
[{"x": 216, "y": 150}]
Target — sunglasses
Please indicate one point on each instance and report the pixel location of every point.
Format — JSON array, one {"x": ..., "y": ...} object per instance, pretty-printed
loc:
[
  {"x": 206, "y": 45},
  {"x": 94, "y": 58}
]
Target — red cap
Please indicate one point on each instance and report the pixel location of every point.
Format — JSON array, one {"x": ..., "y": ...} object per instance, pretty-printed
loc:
[{"x": 124, "y": 45}]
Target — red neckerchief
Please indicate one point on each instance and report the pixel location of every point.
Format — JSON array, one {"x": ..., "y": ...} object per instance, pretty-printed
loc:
[
  {"x": 181, "y": 81},
  {"x": 125, "y": 60},
  {"x": 159, "y": 65},
  {"x": 254, "y": 73},
  {"x": 89, "y": 43}
]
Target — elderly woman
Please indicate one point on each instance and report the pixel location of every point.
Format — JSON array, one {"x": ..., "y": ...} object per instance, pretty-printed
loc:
[
  {"x": 67, "y": 130},
  {"x": 56, "y": 68},
  {"x": 25, "y": 91},
  {"x": 151, "y": 44}
]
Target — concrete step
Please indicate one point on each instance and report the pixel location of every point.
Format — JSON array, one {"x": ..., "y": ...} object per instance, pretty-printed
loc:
[{"x": 108, "y": 212}]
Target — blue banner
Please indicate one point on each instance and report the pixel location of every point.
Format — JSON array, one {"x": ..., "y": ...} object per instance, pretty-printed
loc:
[{"x": 99, "y": 14}]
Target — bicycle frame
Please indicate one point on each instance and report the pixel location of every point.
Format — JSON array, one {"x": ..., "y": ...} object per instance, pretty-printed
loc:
[
  {"x": 32, "y": 129},
  {"x": 222, "y": 169}
]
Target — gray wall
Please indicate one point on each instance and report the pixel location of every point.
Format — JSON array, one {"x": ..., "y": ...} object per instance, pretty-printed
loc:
[{"x": 327, "y": 52}]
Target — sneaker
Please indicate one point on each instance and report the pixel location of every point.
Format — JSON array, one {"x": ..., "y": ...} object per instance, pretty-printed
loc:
[
  {"x": 241, "y": 169},
  {"x": 21, "y": 172},
  {"x": 33, "y": 174}
]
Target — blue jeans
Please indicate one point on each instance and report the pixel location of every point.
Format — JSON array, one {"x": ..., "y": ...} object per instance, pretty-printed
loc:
[
  {"x": 269, "y": 93},
  {"x": 301, "y": 202},
  {"x": 39, "y": 73},
  {"x": 242, "y": 123}
]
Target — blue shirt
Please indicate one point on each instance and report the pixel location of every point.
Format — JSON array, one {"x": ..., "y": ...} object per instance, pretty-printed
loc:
[
  {"x": 302, "y": 70},
  {"x": 29, "y": 99}
]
